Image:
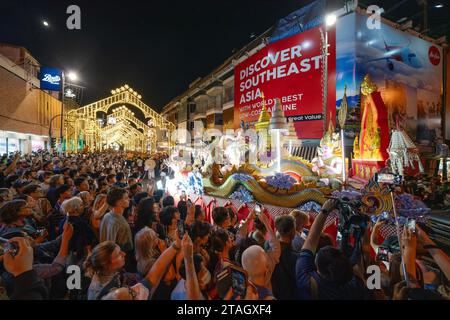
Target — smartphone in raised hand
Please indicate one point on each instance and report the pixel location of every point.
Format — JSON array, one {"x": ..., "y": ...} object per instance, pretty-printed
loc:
[
  {"x": 232, "y": 277},
  {"x": 181, "y": 229},
  {"x": 6, "y": 246},
  {"x": 258, "y": 208},
  {"x": 411, "y": 225}
]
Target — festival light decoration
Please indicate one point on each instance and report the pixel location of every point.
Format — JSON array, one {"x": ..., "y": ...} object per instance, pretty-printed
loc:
[{"x": 131, "y": 133}]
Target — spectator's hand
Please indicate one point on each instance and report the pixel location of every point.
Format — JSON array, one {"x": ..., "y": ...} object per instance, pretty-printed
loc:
[
  {"x": 190, "y": 205},
  {"x": 379, "y": 223},
  {"x": 177, "y": 239},
  {"x": 423, "y": 237},
  {"x": 252, "y": 215},
  {"x": 187, "y": 247},
  {"x": 161, "y": 245},
  {"x": 67, "y": 232},
  {"x": 23, "y": 261},
  {"x": 42, "y": 238},
  {"x": 409, "y": 240},
  {"x": 400, "y": 291},
  {"x": 205, "y": 255},
  {"x": 264, "y": 220},
  {"x": 329, "y": 205},
  {"x": 140, "y": 291},
  {"x": 251, "y": 293},
  {"x": 230, "y": 294},
  {"x": 150, "y": 189}
]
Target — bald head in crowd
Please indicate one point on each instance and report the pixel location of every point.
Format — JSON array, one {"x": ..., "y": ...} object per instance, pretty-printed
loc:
[{"x": 254, "y": 261}]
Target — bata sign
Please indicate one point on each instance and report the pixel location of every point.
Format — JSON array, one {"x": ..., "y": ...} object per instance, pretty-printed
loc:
[{"x": 289, "y": 69}]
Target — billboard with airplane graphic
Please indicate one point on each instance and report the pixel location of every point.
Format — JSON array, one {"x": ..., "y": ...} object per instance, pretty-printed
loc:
[{"x": 407, "y": 70}]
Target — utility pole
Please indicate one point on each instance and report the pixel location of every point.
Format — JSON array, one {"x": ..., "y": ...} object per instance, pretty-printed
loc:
[
  {"x": 50, "y": 127},
  {"x": 424, "y": 4}
]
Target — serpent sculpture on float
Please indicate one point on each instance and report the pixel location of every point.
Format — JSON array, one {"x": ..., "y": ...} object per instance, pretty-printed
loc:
[
  {"x": 250, "y": 177},
  {"x": 294, "y": 166}
]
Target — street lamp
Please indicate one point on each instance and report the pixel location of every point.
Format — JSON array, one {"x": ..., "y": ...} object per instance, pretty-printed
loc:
[
  {"x": 45, "y": 23},
  {"x": 50, "y": 128},
  {"x": 330, "y": 21},
  {"x": 72, "y": 77}
]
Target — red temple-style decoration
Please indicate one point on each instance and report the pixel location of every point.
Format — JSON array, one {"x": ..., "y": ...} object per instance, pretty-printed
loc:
[{"x": 370, "y": 151}]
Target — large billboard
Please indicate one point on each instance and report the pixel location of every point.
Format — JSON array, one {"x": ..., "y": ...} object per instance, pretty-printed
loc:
[
  {"x": 291, "y": 70},
  {"x": 407, "y": 70}
]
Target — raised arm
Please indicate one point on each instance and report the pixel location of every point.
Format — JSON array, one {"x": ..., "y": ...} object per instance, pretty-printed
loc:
[
  {"x": 27, "y": 285},
  {"x": 312, "y": 241},
  {"x": 192, "y": 287},
  {"x": 46, "y": 271},
  {"x": 13, "y": 165},
  {"x": 274, "y": 251},
  {"x": 159, "y": 268},
  {"x": 99, "y": 213},
  {"x": 190, "y": 217},
  {"x": 243, "y": 230},
  {"x": 374, "y": 235},
  {"x": 409, "y": 244},
  {"x": 439, "y": 256}
]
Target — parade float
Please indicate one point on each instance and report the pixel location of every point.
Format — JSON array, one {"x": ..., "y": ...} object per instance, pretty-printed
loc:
[
  {"x": 224, "y": 170},
  {"x": 276, "y": 178}
]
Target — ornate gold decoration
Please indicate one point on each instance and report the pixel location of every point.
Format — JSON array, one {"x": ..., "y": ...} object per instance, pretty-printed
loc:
[
  {"x": 367, "y": 86},
  {"x": 356, "y": 154},
  {"x": 264, "y": 117},
  {"x": 372, "y": 141}
]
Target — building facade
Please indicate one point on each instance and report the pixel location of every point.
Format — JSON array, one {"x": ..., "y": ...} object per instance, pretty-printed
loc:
[
  {"x": 209, "y": 101},
  {"x": 26, "y": 111},
  {"x": 412, "y": 91}
]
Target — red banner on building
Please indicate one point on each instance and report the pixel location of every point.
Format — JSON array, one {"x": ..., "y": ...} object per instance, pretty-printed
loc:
[{"x": 289, "y": 69}]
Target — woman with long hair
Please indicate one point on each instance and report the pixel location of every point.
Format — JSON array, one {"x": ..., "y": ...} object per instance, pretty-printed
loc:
[
  {"x": 98, "y": 211},
  {"x": 148, "y": 248},
  {"x": 145, "y": 217},
  {"x": 105, "y": 267}
]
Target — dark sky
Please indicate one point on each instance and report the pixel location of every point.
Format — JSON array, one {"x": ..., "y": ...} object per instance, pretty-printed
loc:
[{"x": 157, "y": 47}]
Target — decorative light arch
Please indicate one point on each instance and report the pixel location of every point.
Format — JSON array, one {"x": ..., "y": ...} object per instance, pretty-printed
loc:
[{"x": 82, "y": 123}]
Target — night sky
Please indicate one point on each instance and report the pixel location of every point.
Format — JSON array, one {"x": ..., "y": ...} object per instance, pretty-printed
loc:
[{"x": 156, "y": 47}]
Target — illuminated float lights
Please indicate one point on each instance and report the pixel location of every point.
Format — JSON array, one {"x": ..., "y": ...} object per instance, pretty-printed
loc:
[{"x": 126, "y": 88}]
